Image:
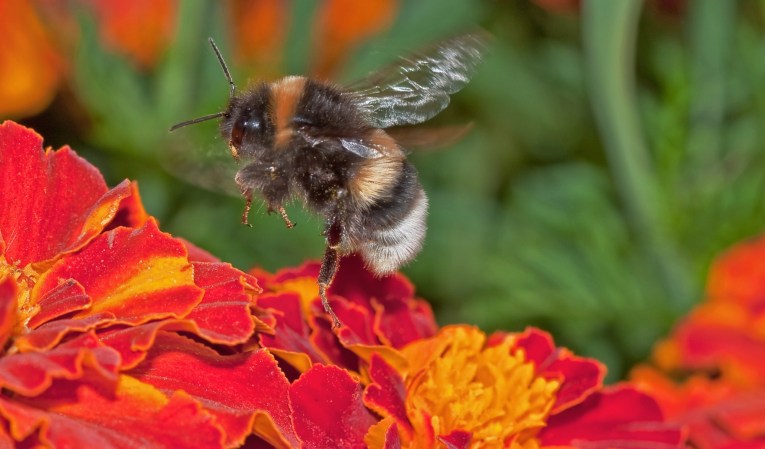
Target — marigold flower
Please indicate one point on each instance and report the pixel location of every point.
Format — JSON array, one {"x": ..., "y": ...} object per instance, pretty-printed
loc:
[
  {"x": 88, "y": 286},
  {"x": 106, "y": 320},
  {"x": 138, "y": 29},
  {"x": 462, "y": 390},
  {"x": 709, "y": 373},
  {"x": 30, "y": 66}
]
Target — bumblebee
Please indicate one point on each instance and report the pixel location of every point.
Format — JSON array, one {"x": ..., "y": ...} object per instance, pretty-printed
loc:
[{"x": 329, "y": 146}]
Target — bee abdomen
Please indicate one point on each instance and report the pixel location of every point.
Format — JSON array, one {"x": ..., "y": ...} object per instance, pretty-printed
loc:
[{"x": 385, "y": 249}]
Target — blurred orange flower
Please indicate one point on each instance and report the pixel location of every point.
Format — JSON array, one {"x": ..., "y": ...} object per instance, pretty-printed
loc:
[
  {"x": 718, "y": 352},
  {"x": 342, "y": 25},
  {"x": 31, "y": 68},
  {"x": 139, "y": 29}
]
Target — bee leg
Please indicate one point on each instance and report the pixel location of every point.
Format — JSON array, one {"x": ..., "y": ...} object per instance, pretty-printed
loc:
[
  {"x": 283, "y": 214},
  {"x": 329, "y": 266},
  {"x": 286, "y": 219},
  {"x": 248, "y": 198}
]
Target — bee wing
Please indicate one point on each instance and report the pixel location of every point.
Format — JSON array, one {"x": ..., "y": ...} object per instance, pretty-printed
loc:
[
  {"x": 418, "y": 87},
  {"x": 424, "y": 138},
  {"x": 210, "y": 167}
]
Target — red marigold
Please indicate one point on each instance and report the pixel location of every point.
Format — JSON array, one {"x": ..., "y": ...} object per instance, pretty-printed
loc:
[
  {"x": 88, "y": 285},
  {"x": 717, "y": 352},
  {"x": 106, "y": 321}
]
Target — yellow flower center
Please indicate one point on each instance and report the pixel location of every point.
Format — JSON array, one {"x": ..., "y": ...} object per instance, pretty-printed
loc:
[{"x": 491, "y": 392}]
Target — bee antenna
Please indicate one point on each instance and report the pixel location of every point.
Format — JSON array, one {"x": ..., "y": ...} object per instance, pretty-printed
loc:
[
  {"x": 231, "y": 93},
  {"x": 223, "y": 66},
  {"x": 196, "y": 120}
]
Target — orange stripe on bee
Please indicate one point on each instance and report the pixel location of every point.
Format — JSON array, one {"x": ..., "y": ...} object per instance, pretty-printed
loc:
[{"x": 286, "y": 95}]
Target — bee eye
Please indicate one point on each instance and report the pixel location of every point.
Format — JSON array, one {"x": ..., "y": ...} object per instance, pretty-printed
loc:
[{"x": 244, "y": 125}]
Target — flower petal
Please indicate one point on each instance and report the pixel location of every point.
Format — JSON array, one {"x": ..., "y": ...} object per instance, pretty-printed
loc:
[
  {"x": 458, "y": 439},
  {"x": 30, "y": 66},
  {"x": 291, "y": 340},
  {"x": 344, "y": 24},
  {"x": 242, "y": 391},
  {"x": 49, "y": 334},
  {"x": 84, "y": 414},
  {"x": 328, "y": 410},
  {"x": 615, "y": 417},
  {"x": 60, "y": 201},
  {"x": 224, "y": 315},
  {"x": 31, "y": 373},
  {"x": 67, "y": 297},
  {"x": 383, "y": 435},
  {"x": 136, "y": 274},
  {"x": 579, "y": 376},
  {"x": 401, "y": 321},
  {"x": 121, "y": 21},
  {"x": 8, "y": 303},
  {"x": 131, "y": 213},
  {"x": 386, "y": 394}
]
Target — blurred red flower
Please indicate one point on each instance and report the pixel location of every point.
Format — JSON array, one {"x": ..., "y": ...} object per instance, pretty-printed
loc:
[{"x": 718, "y": 352}]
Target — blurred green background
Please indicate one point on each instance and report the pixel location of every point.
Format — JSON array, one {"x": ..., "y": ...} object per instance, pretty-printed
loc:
[{"x": 617, "y": 148}]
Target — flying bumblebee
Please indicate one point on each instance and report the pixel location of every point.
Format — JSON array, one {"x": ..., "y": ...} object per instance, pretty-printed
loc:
[{"x": 327, "y": 146}]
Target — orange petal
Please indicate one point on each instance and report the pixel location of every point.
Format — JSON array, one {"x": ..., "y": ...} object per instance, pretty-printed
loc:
[
  {"x": 31, "y": 373},
  {"x": 258, "y": 29},
  {"x": 82, "y": 414},
  {"x": 234, "y": 388},
  {"x": 54, "y": 202},
  {"x": 30, "y": 66},
  {"x": 136, "y": 274},
  {"x": 139, "y": 29},
  {"x": 344, "y": 24}
]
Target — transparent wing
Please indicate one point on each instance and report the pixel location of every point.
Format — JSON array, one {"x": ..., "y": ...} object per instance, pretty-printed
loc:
[
  {"x": 210, "y": 166},
  {"x": 418, "y": 87}
]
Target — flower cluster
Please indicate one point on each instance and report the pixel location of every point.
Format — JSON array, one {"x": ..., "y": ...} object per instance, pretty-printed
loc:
[
  {"x": 40, "y": 36},
  {"x": 117, "y": 335},
  {"x": 718, "y": 352}
]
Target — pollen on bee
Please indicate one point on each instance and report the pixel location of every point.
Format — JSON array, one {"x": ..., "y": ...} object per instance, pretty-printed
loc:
[{"x": 234, "y": 152}]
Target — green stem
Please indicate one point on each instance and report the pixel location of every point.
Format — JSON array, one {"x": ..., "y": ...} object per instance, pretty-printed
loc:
[
  {"x": 710, "y": 32},
  {"x": 609, "y": 33}
]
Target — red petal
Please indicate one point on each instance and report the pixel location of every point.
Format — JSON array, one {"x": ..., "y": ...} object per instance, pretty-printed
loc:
[
  {"x": 458, "y": 439},
  {"x": 77, "y": 414},
  {"x": 224, "y": 314},
  {"x": 402, "y": 321},
  {"x": 31, "y": 373},
  {"x": 580, "y": 377},
  {"x": 738, "y": 276},
  {"x": 67, "y": 297},
  {"x": 615, "y": 417},
  {"x": 131, "y": 213},
  {"x": 237, "y": 389},
  {"x": 136, "y": 274},
  {"x": 134, "y": 342},
  {"x": 49, "y": 334},
  {"x": 272, "y": 282},
  {"x": 291, "y": 339},
  {"x": 704, "y": 344},
  {"x": 356, "y": 284},
  {"x": 8, "y": 304},
  {"x": 197, "y": 254},
  {"x": 325, "y": 340},
  {"x": 327, "y": 409},
  {"x": 386, "y": 393},
  {"x": 50, "y": 202}
]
